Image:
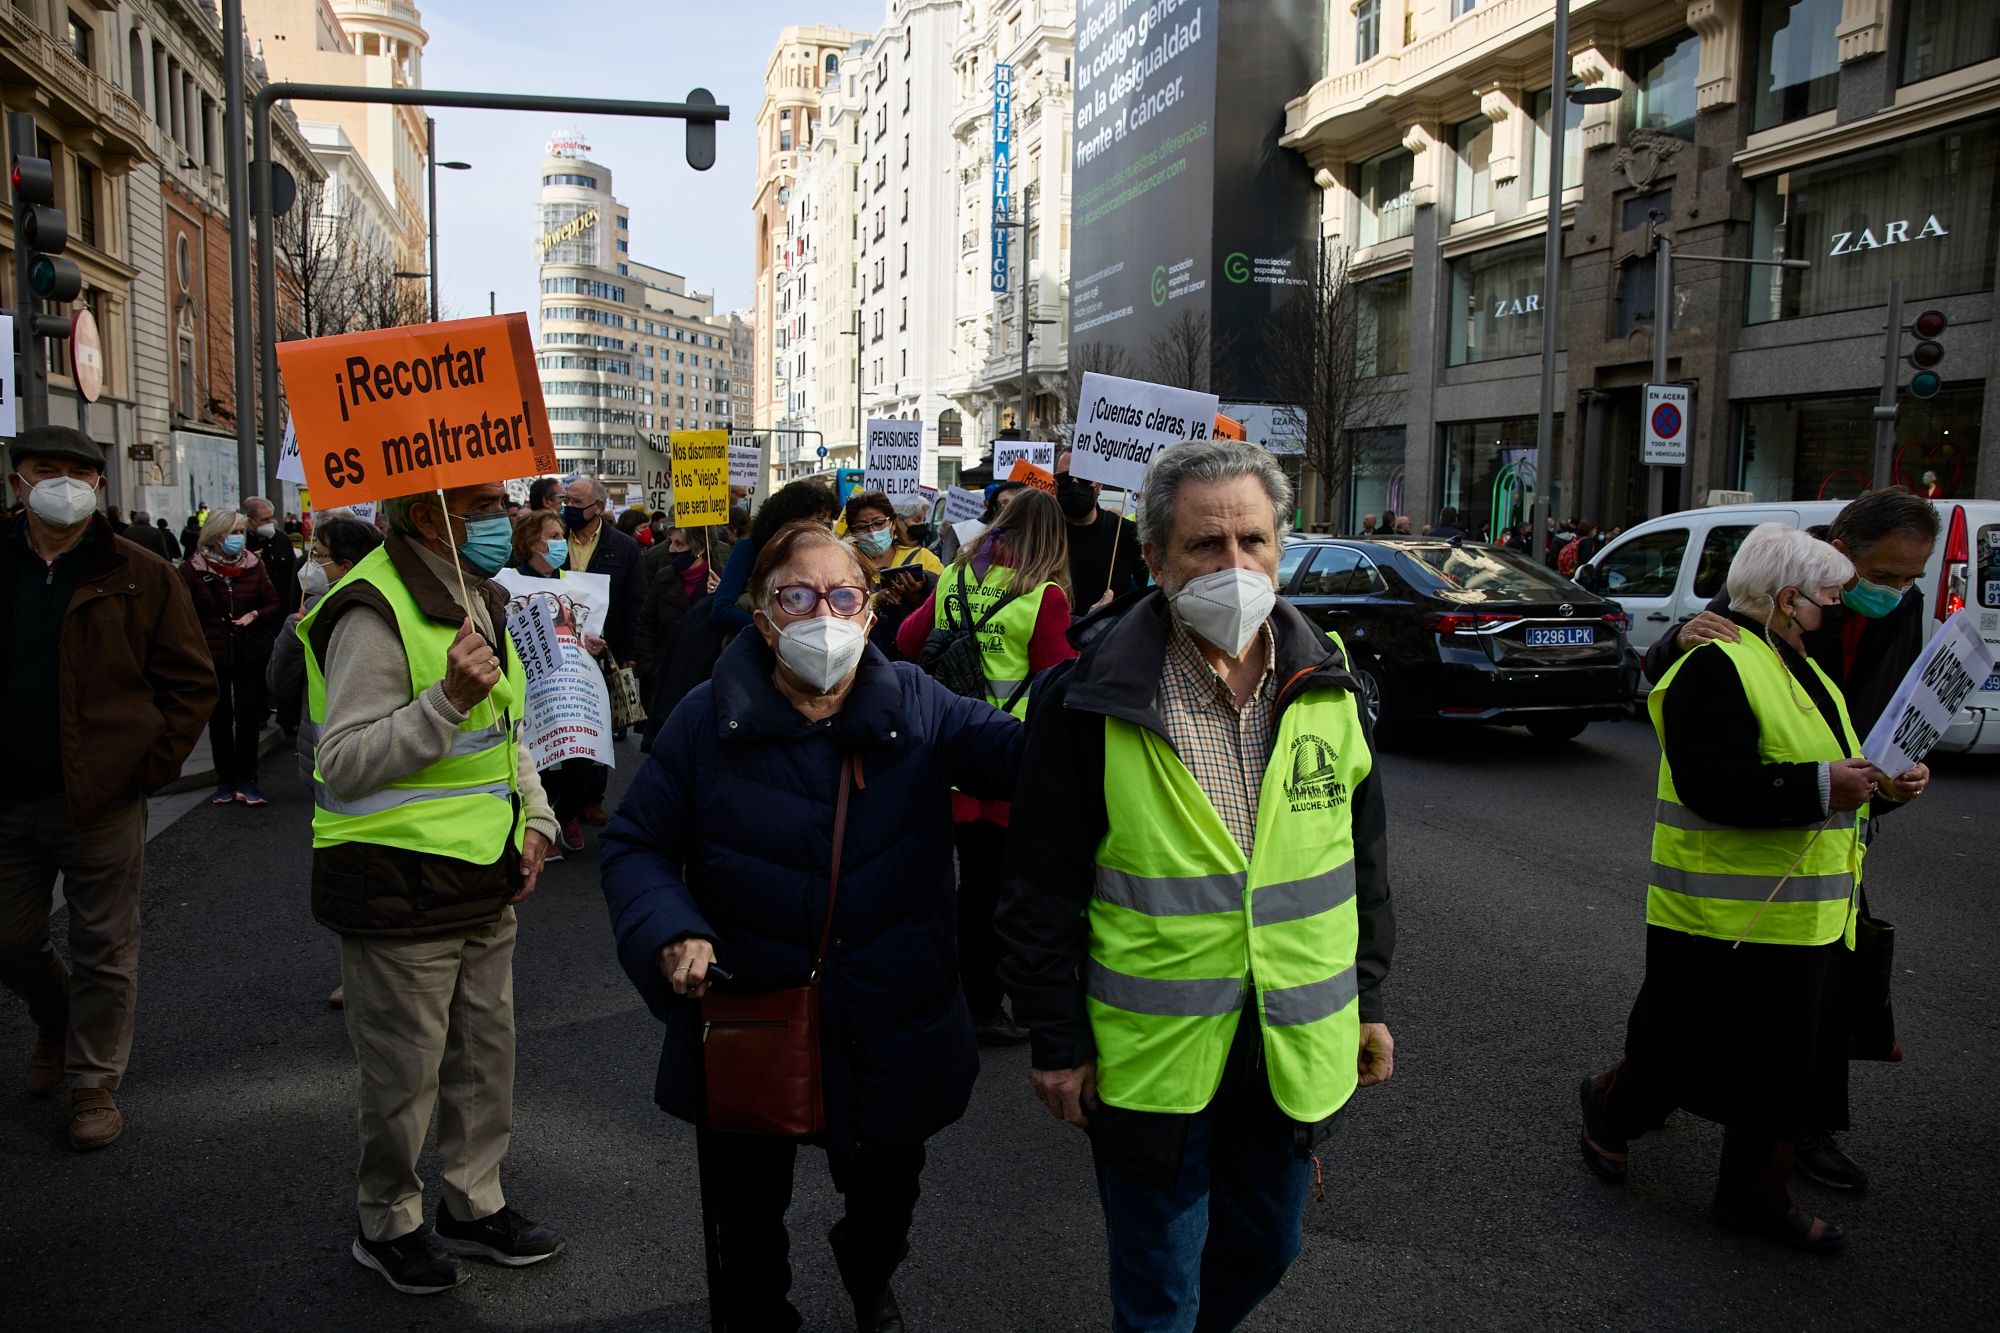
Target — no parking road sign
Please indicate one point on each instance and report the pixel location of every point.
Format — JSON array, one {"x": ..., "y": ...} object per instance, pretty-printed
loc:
[{"x": 1667, "y": 412}]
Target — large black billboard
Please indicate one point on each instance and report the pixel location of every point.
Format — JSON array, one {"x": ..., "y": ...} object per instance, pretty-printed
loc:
[{"x": 1182, "y": 199}]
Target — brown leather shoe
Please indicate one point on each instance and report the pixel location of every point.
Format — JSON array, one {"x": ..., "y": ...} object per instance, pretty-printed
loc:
[
  {"x": 45, "y": 1063},
  {"x": 338, "y": 999},
  {"x": 94, "y": 1119},
  {"x": 594, "y": 814}
]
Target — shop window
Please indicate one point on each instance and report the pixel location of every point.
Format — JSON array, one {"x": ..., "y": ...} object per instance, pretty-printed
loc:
[
  {"x": 1367, "y": 30},
  {"x": 1473, "y": 194},
  {"x": 1921, "y": 210},
  {"x": 1538, "y": 146},
  {"x": 1382, "y": 325},
  {"x": 1497, "y": 303},
  {"x": 1647, "y": 566},
  {"x": 1374, "y": 473},
  {"x": 1824, "y": 448},
  {"x": 1797, "y": 73},
  {"x": 1489, "y": 472},
  {"x": 1384, "y": 188},
  {"x": 1944, "y": 35},
  {"x": 1664, "y": 73}
]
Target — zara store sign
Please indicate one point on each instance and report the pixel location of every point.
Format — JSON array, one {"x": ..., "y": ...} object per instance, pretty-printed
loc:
[{"x": 1896, "y": 233}]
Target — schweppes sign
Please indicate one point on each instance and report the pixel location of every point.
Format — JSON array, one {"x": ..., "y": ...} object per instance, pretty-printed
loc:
[{"x": 569, "y": 231}]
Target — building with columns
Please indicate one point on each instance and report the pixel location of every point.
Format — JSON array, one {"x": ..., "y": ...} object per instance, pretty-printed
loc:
[
  {"x": 836, "y": 244},
  {"x": 1862, "y": 136}
]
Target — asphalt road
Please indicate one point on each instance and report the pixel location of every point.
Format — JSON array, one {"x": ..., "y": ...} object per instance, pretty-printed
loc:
[{"x": 1454, "y": 1194}]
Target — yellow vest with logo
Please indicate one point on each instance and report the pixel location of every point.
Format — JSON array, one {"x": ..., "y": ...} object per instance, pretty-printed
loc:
[
  {"x": 1185, "y": 930},
  {"x": 1003, "y": 643},
  {"x": 1711, "y": 879},
  {"x": 467, "y": 804}
]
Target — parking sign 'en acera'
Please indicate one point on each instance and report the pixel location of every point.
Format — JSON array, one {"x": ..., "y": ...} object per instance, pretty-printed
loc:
[{"x": 418, "y": 408}]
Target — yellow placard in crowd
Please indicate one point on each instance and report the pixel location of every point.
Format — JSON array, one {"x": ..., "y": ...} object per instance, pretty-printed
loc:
[{"x": 701, "y": 477}]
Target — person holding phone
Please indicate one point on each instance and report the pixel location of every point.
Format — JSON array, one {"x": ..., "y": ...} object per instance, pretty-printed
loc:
[{"x": 901, "y": 572}]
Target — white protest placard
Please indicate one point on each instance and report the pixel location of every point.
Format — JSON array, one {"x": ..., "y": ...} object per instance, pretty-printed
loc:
[
  {"x": 1042, "y": 453},
  {"x": 895, "y": 456},
  {"x": 568, "y": 710},
  {"x": 1952, "y": 665},
  {"x": 9, "y": 419},
  {"x": 291, "y": 467},
  {"x": 961, "y": 504},
  {"x": 745, "y": 462},
  {"x": 1122, "y": 423}
]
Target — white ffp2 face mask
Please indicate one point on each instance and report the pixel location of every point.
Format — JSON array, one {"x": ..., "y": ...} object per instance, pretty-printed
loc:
[
  {"x": 312, "y": 579},
  {"x": 1228, "y": 607},
  {"x": 821, "y": 651},
  {"x": 62, "y": 502}
]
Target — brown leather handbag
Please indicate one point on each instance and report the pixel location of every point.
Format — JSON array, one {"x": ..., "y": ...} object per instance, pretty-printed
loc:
[{"x": 760, "y": 1053}]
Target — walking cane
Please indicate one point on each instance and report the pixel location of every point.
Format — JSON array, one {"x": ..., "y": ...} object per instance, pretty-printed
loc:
[{"x": 710, "y": 1242}]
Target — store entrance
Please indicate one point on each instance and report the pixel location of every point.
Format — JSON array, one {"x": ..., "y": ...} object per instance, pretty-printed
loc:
[{"x": 1619, "y": 489}]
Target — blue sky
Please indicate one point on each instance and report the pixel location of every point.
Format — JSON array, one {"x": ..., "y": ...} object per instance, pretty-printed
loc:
[{"x": 694, "y": 223}]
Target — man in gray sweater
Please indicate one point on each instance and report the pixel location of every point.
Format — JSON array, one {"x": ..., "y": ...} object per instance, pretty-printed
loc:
[{"x": 429, "y": 824}]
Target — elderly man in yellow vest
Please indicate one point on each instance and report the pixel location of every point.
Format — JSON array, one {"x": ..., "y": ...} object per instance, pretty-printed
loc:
[
  {"x": 1196, "y": 914},
  {"x": 428, "y": 825}
]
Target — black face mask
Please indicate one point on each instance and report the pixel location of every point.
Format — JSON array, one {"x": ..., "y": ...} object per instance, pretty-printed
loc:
[
  {"x": 682, "y": 561},
  {"x": 920, "y": 534},
  {"x": 1076, "y": 499}
]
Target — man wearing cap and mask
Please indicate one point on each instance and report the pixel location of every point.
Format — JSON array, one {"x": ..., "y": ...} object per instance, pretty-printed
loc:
[
  {"x": 429, "y": 824},
  {"x": 109, "y": 685},
  {"x": 1196, "y": 917}
]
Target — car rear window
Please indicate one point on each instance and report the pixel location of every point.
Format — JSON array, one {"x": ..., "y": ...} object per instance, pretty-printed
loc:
[{"x": 1484, "y": 569}]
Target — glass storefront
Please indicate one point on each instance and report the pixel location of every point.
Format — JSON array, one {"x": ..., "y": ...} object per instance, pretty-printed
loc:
[
  {"x": 1944, "y": 35},
  {"x": 1824, "y": 448},
  {"x": 1374, "y": 473},
  {"x": 1496, "y": 303},
  {"x": 1382, "y": 324},
  {"x": 1921, "y": 209},
  {"x": 1489, "y": 473},
  {"x": 1384, "y": 188},
  {"x": 1797, "y": 73}
]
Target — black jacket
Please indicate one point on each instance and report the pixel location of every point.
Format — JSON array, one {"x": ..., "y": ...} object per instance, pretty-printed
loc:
[
  {"x": 621, "y": 558},
  {"x": 1059, "y": 818},
  {"x": 281, "y": 560},
  {"x": 1888, "y": 648}
]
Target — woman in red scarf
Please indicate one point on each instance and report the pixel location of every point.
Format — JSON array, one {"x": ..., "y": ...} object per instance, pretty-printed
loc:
[{"x": 240, "y": 616}]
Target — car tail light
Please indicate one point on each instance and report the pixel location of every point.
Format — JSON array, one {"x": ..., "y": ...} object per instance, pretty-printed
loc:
[
  {"x": 1618, "y": 620},
  {"x": 1469, "y": 622},
  {"x": 1957, "y": 558}
]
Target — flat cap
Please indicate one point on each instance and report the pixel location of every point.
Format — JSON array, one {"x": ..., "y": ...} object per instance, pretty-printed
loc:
[{"x": 58, "y": 442}]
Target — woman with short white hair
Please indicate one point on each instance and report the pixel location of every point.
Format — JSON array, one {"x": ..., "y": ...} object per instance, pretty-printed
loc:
[
  {"x": 240, "y": 614},
  {"x": 1751, "y": 902}
]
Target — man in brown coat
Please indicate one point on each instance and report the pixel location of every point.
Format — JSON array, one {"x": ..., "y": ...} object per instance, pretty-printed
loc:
[{"x": 108, "y": 684}]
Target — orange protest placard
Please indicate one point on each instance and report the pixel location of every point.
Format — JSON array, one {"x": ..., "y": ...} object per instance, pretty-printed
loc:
[
  {"x": 1229, "y": 428},
  {"x": 1039, "y": 477},
  {"x": 419, "y": 408}
]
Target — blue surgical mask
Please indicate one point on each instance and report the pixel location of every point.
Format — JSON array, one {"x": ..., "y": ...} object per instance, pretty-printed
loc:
[
  {"x": 1870, "y": 599},
  {"x": 488, "y": 542},
  {"x": 558, "y": 554},
  {"x": 232, "y": 545},
  {"x": 875, "y": 543}
]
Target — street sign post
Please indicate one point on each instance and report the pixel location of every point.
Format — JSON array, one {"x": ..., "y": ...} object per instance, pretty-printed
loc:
[
  {"x": 86, "y": 355},
  {"x": 1668, "y": 410}
]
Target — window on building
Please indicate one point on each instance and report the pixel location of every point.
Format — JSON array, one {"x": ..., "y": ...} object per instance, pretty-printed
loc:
[
  {"x": 1374, "y": 473},
  {"x": 906, "y": 150},
  {"x": 1384, "y": 189},
  {"x": 1920, "y": 209},
  {"x": 1488, "y": 469},
  {"x": 87, "y": 189},
  {"x": 1496, "y": 303},
  {"x": 1473, "y": 193},
  {"x": 81, "y": 38},
  {"x": 135, "y": 73},
  {"x": 1823, "y": 448},
  {"x": 904, "y": 272},
  {"x": 906, "y": 205},
  {"x": 1944, "y": 35},
  {"x": 1460, "y": 8},
  {"x": 1538, "y": 146},
  {"x": 832, "y": 65},
  {"x": 1664, "y": 73},
  {"x": 1797, "y": 73},
  {"x": 184, "y": 376},
  {"x": 1367, "y": 30},
  {"x": 1382, "y": 324}
]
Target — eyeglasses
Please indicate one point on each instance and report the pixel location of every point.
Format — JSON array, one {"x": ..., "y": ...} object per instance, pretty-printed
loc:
[
  {"x": 870, "y": 525},
  {"x": 802, "y": 599}
]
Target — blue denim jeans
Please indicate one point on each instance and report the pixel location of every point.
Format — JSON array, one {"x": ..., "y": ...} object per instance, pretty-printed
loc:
[{"x": 1197, "y": 1256}]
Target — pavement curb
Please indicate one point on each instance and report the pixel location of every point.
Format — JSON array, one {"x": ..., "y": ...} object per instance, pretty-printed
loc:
[{"x": 192, "y": 781}]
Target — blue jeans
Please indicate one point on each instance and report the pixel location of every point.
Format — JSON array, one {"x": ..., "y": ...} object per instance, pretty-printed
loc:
[{"x": 1197, "y": 1256}]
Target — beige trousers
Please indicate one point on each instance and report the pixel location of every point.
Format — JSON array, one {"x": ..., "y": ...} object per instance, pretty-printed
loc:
[
  {"x": 432, "y": 1022},
  {"x": 100, "y": 864}
]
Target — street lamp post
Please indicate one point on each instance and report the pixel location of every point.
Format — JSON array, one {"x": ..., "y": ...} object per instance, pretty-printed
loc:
[
  {"x": 1027, "y": 324},
  {"x": 431, "y": 165}
]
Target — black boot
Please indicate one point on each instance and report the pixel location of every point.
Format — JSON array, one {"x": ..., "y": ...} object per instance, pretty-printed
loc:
[{"x": 877, "y": 1311}]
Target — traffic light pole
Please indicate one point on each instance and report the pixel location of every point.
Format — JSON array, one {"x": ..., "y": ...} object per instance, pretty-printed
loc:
[
  {"x": 700, "y": 111},
  {"x": 1885, "y": 411},
  {"x": 31, "y": 389}
]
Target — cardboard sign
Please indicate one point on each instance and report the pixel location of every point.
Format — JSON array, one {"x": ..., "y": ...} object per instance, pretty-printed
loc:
[
  {"x": 895, "y": 456},
  {"x": 745, "y": 463},
  {"x": 1040, "y": 478},
  {"x": 961, "y": 505},
  {"x": 1952, "y": 665},
  {"x": 9, "y": 420},
  {"x": 567, "y": 714},
  {"x": 291, "y": 467},
  {"x": 1229, "y": 428},
  {"x": 701, "y": 477},
  {"x": 420, "y": 408},
  {"x": 1042, "y": 453},
  {"x": 1122, "y": 423}
]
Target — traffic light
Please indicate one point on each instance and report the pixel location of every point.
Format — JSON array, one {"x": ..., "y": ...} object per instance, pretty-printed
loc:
[
  {"x": 1925, "y": 356},
  {"x": 41, "y": 234}
]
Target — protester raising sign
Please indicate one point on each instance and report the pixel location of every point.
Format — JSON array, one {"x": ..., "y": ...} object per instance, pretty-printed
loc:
[
  {"x": 961, "y": 504},
  {"x": 1042, "y": 453},
  {"x": 701, "y": 477},
  {"x": 1122, "y": 423},
  {"x": 419, "y": 408},
  {"x": 895, "y": 457},
  {"x": 745, "y": 462},
  {"x": 568, "y": 712},
  {"x": 1952, "y": 665},
  {"x": 1040, "y": 478}
]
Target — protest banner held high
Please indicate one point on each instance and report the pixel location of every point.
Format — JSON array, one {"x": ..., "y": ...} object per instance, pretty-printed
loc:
[
  {"x": 895, "y": 458},
  {"x": 1121, "y": 424},
  {"x": 701, "y": 477}
]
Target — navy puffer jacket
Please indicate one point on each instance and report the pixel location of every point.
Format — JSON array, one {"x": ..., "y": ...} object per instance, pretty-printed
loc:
[{"x": 727, "y": 833}]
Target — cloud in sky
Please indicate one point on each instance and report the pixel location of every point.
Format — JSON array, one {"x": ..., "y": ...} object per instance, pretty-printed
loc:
[{"x": 689, "y": 222}]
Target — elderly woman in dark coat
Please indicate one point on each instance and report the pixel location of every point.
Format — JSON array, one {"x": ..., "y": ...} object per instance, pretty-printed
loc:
[{"x": 719, "y": 858}]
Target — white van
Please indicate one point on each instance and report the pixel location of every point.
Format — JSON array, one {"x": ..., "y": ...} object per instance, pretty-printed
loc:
[{"x": 1670, "y": 567}]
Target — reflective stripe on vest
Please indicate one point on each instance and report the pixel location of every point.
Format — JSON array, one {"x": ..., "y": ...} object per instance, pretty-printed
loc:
[
  {"x": 449, "y": 807},
  {"x": 1711, "y": 879},
  {"x": 1185, "y": 930},
  {"x": 1003, "y": 643}
]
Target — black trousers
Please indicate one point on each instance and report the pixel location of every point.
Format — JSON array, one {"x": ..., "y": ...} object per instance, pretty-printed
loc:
[
  {"x": 750, "y": 1188},
  {"x": 1756, "y": 1167},
  {"x": 238, "y": 720},
  {"x": 982, "y": 851},
  {"x": 565, "y": 786}
]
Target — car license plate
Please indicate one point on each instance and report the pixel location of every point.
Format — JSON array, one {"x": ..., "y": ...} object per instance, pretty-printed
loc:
[
  {"x": 1992, "y": 685},
  {"x": 1566, "y": 637}
]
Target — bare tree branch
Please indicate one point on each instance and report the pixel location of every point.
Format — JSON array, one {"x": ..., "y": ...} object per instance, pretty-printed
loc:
[{"x": 1091, "y": 357}]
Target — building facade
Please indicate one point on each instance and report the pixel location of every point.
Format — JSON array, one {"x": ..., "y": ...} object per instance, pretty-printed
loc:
[
  {"x": 1858, "y": 137},
  {"x": 626, "y": 352},
  {"x": 836, "y": 243}
]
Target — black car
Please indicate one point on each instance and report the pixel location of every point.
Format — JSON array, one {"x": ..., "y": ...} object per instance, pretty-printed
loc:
[{"x": 1455, "y": 632}]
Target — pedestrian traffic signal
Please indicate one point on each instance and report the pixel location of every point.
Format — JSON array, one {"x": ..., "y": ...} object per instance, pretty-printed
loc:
[
  {"x": 1926, "y": 354},
  {"x": 41, "y": 234}
]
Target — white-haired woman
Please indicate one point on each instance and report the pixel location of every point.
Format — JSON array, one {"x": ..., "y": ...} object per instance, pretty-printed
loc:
[
  {"x": 240, "y": 614},
  {"x": 1760, "y": 783}
]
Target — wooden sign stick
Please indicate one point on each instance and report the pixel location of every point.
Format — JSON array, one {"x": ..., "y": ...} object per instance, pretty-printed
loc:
[{"x": 1773, "y": 897}]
